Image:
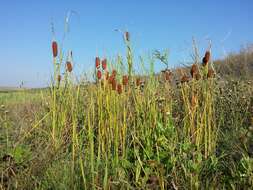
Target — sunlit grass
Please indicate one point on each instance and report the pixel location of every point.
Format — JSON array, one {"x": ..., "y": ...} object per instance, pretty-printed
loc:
[{"x": 126, "y": 130}]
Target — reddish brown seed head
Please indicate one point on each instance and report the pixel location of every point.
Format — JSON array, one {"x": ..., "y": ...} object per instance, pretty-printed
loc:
[
  {"x": 119, "y": 88},
  {"x": 104, "y": 64},
  {"x": 97, "y": 62},
  {"x": 99, "y": 74},
  {"x": 111, "y": 78},
  {"x": 114, "y": 84},
  {"x": 194, "y": 70},
  {"x": 206, "y": 59},
  {"x": 125, "y": 80},
  {"x": 127, "y": 36},
  {"x": 207, "y": 55},
  {"x": 138, "y": 82},
  {"x": 69, "y": 66},
  {"x": 114, "y": 72},
  {"x": 54, "y": 48}
]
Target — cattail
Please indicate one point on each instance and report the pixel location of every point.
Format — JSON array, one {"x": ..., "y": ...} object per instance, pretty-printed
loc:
[
  {"x": 59, "y": 78},
  {"x": 99, "y": 74},
  {"x": 207, "y": 55},
  {"x": 138, "y": 82},
  {"x": 127, "y": 36},
  {"x": 194, "y": 70},
  {"x": 111, "y": 78},
  {"x": 114, "y": 73},
  {"x": 185, "y": 79},
  {"x": 104, "y": 64},
  {"x": 97, "y": 62},
  {"x": 125, "y": 80},
  {"x": 119, "y": 88},
  {"x": 210, "y": 73},
  {"x": 206, "y": 59},
  {"x": 114, "y": 84},
  {"x": 55, "y": 49},
  {"x": 69, "y": 66}
]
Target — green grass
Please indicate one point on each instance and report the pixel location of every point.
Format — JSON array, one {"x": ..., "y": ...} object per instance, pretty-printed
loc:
[{"x": 194, "y": 135}]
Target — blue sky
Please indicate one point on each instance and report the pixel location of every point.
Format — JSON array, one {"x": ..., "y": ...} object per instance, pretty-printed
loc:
[{"x": 25, "y": 33}]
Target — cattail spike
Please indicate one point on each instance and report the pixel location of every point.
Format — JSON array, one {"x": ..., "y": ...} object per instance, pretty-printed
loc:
[
  {"x": 119, "y": 88},
  {"x": 127, "y": 36},
  {"x": 99, "y": 74},
  {"x": 125, "y": 80},
  {"x": 97, "y": 62},
  {"x": 104, "y": 64},
  {"x": 55, "y": 48}
]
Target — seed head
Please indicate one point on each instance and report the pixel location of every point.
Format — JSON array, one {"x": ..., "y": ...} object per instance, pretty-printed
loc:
[
  {"x": 54, "y": 48},
  {"x": 69, "y": 66},
  {"x": 99, "y": 74},
  {"x": 206, "y": 59},
  {"x": 104, "y": 64},
  {"x": 97, "y": 62},
  {"x": 138, "y": 82},
  {"x": 114, "y": 84},
  {"x": 207, "y": 55},
  {"x": 119, "y": 88},
  {"x": 125, "y": 80},
  {"x": 111, "y": 78},
  {"x": 127, "y": 36},
  {"x": 114, "y": 73},
  {"x": 194, "y": 70}
]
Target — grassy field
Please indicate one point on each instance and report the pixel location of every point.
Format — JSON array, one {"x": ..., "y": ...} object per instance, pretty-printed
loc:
[{"x": 190, "y": 128}]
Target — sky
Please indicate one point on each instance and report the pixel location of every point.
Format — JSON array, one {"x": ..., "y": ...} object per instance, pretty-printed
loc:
[{"x": 25, "y": 32}]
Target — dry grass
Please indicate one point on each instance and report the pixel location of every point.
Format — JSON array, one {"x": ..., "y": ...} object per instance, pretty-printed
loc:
[{"x": 127, "y": 131}]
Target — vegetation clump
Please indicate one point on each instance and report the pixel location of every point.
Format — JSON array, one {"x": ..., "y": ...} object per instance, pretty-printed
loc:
[{"x": 127, "y": 130}]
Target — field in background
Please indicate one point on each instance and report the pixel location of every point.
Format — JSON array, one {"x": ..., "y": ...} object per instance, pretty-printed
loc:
[{"x": 190, "y": 128}]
